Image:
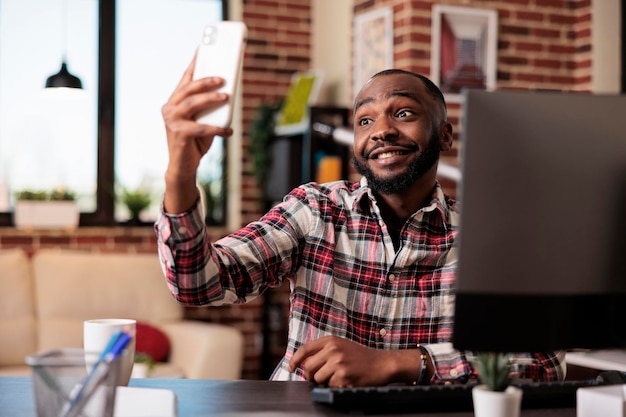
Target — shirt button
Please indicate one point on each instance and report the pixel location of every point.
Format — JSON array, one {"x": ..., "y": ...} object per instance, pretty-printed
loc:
[
  {"x": 453, "y": 372},
  {"x": 383, "y": 332},
  {"x": 392, "y": 277},
  {"x": 182, "y": 230}
]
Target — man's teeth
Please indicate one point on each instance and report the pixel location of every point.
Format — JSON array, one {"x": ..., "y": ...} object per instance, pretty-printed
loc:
[{"x": 388, "y": 154}]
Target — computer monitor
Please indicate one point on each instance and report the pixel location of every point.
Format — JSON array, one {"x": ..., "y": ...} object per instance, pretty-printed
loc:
[{"x": 542, "y": 239}]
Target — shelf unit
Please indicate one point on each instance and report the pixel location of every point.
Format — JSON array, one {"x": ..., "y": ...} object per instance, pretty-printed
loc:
[{"x": 295, "y": 152}]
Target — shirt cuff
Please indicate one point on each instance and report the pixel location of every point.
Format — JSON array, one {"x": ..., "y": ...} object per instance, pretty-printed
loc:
[
  {"x": 450, "y": 364},
  {"x": 179, "y": 228}
]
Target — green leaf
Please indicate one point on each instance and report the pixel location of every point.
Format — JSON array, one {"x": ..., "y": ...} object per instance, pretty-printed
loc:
[
  {"x": 261, "y": 134},
  {"x": 136, "y": 200},
  {"x": 58, "y": 194},
  {"x": 493, "y": 369}
]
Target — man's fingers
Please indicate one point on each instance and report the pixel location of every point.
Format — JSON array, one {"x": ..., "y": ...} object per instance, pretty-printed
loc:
[
  {"x": 194, "y": 98},
  {"x": 303, "y": 352},
  {"x": 297, "y": 358}
]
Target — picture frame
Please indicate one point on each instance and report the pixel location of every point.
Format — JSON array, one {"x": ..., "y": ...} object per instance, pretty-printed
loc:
[
  {"x": 463, "y": 49},
  {"x": 372, "y": 44},
  {"x": 293, "y": 116}
]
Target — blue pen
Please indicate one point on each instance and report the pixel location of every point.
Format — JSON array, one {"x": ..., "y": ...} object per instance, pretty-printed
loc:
[
  {"x": 114, "y": 348},
  {"x": 117, "y": 347},
  {"x": 114, "y": 338}
]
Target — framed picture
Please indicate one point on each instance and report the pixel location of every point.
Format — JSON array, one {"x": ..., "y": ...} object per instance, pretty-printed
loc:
[
  {"x": 293, "y": 115},
  {"x": 463, "y": 49},
  {"x": 373, "y": 44}
]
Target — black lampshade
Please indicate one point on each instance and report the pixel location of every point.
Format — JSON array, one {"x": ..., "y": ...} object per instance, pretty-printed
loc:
[{"x": 63, "y": 79}]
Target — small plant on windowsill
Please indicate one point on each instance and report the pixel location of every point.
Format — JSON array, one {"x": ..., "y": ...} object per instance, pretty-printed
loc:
[
  {"x": 136, "y": 201},
  {"x": 31, "y": 195},
  {"x": 58, "y": 194},
  {"x": 62, "y": 194},
  {"x": 39, "y": 209}
]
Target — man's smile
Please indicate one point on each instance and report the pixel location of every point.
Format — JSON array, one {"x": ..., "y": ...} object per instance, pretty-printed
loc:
[
  {"x": 385, "y": 151},
  {"x": 388, "y": 154}
]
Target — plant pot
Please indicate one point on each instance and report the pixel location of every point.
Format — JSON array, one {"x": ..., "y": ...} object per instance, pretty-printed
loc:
[
  {"x": 496, "y": 404},
  {"x": 141, "y": 370},
  {"x": 46, "y": 214}
]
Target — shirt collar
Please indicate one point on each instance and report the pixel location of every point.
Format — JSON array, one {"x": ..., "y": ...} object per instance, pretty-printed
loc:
[{"x": 439, "y": 201}]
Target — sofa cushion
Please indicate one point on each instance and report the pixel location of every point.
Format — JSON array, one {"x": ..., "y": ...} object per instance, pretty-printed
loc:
[
  {"x": 97, "y": 285},
  {"x": 17, "y": 311},
  {"x": 152, "y": 341}
]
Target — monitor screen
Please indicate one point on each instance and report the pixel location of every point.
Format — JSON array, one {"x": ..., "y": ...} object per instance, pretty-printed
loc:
[{"x": 542, "y": 241}]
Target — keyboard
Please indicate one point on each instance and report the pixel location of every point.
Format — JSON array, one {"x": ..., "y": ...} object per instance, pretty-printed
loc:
[{"x": 448, "y": 398}]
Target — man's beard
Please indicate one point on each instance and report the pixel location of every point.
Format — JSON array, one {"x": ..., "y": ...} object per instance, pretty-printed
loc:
[{"x": 401, "y": 182}]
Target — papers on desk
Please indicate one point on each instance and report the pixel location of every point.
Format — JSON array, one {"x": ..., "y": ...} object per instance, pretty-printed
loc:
[{"x": 145, "y": 402}]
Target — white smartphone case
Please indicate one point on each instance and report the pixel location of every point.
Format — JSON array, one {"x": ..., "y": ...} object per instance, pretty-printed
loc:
[{"x": 220, "y": 54}]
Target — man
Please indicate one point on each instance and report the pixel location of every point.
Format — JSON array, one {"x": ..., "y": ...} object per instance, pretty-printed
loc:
[{"x": 371, "y": 265}]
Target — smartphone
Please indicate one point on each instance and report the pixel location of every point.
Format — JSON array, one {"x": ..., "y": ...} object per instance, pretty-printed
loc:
[{"x": 220, "y": 54}]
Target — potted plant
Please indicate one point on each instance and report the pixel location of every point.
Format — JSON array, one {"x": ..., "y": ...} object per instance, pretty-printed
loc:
[
  {"x": 495, "y": 396},
  {"x": 143, "y": 366},
  {"x": 136, "y": 201},
  {"x": 261, "y": 135},
  {"x": 39, "y": 209}
]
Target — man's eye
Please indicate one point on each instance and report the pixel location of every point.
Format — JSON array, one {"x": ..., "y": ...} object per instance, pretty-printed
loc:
[
  {"x": 364, "y": 122},
  {"x": 404, "y": 113}
]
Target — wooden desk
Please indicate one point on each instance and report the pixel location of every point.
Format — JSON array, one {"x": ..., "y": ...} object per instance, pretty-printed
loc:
[{"x": 202, "y": 398}]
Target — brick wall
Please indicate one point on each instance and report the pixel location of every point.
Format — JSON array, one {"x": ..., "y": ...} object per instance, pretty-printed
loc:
[
  {"x": 93, "y": 239},
  {"x": 542, "y": 44}
]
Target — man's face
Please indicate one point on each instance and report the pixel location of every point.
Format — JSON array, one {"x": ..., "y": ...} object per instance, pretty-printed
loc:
[{"x": 397, "y": 138}]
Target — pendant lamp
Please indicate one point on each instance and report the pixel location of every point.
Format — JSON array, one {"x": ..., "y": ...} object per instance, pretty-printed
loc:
[{"x": 64, "y": 78}]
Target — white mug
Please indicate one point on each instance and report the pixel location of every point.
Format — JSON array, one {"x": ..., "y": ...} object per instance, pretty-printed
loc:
[{"x": 96, "y": 336}]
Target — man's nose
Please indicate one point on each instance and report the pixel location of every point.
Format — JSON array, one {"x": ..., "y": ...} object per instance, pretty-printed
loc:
[{"x": 384, "y": 129}]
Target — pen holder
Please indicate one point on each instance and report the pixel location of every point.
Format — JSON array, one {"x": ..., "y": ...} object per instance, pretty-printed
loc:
[{"x": 58, "y": 376}]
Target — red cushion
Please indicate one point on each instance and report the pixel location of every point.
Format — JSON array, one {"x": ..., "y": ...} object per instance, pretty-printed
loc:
[{"x": 152, "y": 342}]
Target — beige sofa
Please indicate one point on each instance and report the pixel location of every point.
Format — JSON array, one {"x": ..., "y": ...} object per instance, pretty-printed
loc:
[{"x": 45, "y": 299}]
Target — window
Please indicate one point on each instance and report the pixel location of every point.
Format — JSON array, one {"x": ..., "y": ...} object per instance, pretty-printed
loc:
[
  {"x": 110, "y": 135},
  {"x": 47, "y": 137}
]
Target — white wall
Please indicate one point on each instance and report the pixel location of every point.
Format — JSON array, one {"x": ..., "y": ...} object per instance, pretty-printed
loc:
[
  {"x": 332, "y": 50},
  {"x": 606, "y": 29},
  {"x": 233, "y": 144}
]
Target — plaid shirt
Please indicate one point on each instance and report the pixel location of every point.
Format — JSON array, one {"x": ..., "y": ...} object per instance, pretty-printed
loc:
[{"x": 332, "y": 245}]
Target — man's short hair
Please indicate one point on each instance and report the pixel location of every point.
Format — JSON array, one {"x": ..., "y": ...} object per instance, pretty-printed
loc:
[{"x": 431, "y": 87}]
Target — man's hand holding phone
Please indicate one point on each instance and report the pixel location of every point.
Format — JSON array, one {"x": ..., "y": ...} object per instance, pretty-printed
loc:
[{"x": 191, "y": 123}]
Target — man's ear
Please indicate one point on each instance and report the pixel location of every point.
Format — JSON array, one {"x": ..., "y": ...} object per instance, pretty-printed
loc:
[{"x": 446, "y": 135}]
